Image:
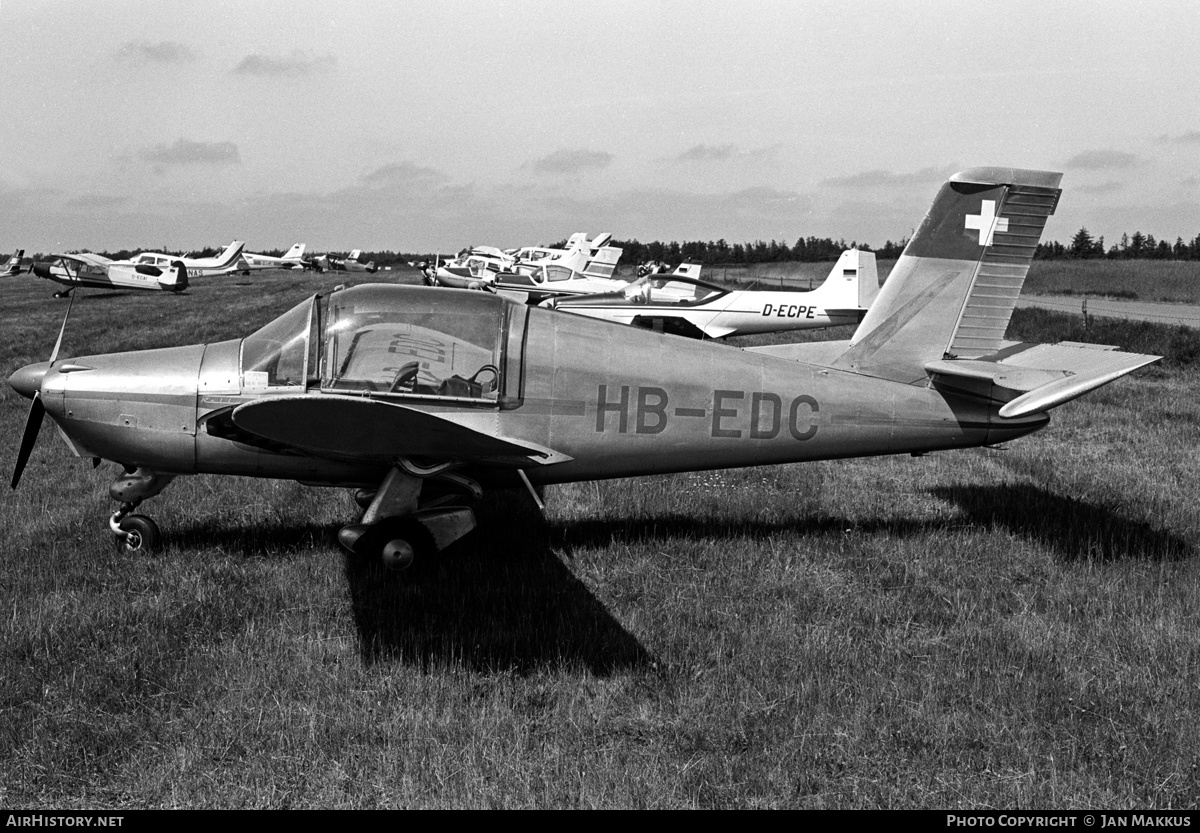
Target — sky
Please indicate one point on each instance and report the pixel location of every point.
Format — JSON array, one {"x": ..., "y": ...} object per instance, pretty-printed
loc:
[{"x": 430, "y": 126}]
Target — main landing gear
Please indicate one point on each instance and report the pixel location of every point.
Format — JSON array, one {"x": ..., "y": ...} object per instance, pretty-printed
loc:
[
  {"x": 136, "y": 533},
  {"x": 395, "y": 530}
]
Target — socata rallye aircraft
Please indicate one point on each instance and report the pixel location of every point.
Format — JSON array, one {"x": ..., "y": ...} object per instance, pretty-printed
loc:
[{"x": 421, "y": 397}]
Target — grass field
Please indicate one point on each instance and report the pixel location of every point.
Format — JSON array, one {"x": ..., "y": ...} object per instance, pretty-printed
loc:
[{"x": 990, "y": 628}]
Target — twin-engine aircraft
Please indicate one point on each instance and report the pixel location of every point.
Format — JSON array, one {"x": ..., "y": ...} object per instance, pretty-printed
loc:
[
  {"x": 99, "y": 272},
  {"x": 292, "y": 259},
  {"x": 422, "y": 397},
  {"x": 13, "y": 267},
  {"x": 687, "y": 306}
]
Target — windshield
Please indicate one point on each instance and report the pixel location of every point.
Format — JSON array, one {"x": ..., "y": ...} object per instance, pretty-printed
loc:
[
  {"x": 661, "y": 289},
  {"x": 402, "y": 340},
  {"x": 279, "y": 354}
]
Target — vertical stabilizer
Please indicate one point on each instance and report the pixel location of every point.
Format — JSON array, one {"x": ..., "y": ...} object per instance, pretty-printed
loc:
[
  {"x": 852, "y": 283},
  {"x": 952, "y": 292}
]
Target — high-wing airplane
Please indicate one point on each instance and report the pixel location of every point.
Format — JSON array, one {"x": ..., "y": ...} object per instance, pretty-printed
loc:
[
  {"x": 691, "y": 307},
  {"x": 473, "y": 268},
  {"x": 422, "y": 397},
  {"x": 351, "y": 263},
  {"x": 13, "y": 266},
  {"x": 226, "y": 263},
  {"x": 97, "y": 271},
  {"x": 294, "y": 258}
]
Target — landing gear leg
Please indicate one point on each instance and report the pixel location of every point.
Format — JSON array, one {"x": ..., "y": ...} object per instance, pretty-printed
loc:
[
  {"x": 395, "y": 530},
  {"x": 136, "y": 533}
]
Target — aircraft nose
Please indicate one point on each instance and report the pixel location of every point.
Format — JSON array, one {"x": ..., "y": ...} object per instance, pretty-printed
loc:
[
  {"x": 42, "y": 270},
  {"x": 28, "y": 380}
]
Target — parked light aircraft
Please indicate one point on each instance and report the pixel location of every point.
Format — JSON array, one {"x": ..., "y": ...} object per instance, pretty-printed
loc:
[
  {"x": 294, "y": 258},
  {"x": 687, "y": 306},
  {"x": 351, "y": 263},
  {"x": 480, "y": 267},
  {"x": 417, "y": 394},
  {"x": 552, "y": 280},
  {"x": 473, "y": 268},
  {"x": 13, "y": 266},
  {"x": 226, "y": 263},
  {"x": 97, "y": 271},
  {"x": 594, "y": 258}
]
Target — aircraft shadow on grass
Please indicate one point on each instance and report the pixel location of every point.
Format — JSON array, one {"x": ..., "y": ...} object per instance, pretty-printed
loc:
[
  {"x": 490, "y": 603},
  {"x": 1077, "y": 529},
  {"x": 502, "y": 602}
]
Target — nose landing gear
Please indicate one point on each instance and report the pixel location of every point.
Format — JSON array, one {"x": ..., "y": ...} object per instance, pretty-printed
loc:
[{"x": 136, "y": 533}]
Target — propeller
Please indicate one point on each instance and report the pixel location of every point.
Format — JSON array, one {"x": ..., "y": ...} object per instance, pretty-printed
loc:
[{"x": 33, "y": 423}]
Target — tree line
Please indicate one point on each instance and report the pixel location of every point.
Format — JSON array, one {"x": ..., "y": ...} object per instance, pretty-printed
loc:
[
  {"x": 811, "y": 250},
  {"x": 1137, "y": 246}
]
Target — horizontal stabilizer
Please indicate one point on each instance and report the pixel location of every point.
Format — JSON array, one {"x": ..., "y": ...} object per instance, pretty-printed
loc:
[
  {"x": 358, "y": 427},
  {"x": 1032, "y": 378}
]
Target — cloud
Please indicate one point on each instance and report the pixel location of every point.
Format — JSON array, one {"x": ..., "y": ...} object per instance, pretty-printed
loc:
[
  {"x": 887, "y": 179},
  {"x": 1101, "y": 160},
  {"x": 97, "y": 201},
  {"x": 1191, "y": 137},
  {"x": 572, "y": 161},
  {"x": 705, "y": 153},
  {"x": 294, "y": 65},
  {"x": 187, "y": 152},
  {"x": 163, "y": 52},
  {"x": 404, "y": 174},
  {"x": 1100, "y": 188}
]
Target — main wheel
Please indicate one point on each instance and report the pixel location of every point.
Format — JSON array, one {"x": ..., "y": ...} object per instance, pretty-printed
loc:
[
  {"x": 398, "y": 554},
  {"x": 141, "y": 534}
]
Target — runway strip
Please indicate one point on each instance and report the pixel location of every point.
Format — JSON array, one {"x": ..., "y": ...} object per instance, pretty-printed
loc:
[{"x": 1186, "y": 314}]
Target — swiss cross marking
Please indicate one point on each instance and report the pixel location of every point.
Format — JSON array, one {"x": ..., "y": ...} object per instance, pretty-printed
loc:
[{"x": 986, "y": 222}]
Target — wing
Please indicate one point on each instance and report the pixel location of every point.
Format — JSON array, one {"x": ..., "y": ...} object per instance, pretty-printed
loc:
[{"x": 357, "y": 427}]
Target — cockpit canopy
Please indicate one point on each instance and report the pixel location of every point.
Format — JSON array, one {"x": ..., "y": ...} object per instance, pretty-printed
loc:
[{"x": 400, "y": 340}]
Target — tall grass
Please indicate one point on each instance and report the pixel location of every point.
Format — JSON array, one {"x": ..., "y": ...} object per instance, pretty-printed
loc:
[
  {"x": 992, "y": 628},
  {"x": 1145, "y": 280}
]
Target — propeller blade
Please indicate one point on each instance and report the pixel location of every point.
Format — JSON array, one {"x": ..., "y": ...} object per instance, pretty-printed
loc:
[
  {"x": 63, "y": 329},
  {"x": 32, "y": 425}
]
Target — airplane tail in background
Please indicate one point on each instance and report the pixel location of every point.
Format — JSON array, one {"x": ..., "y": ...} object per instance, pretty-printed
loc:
[
  {"x": 13, "y": 266},
  {"x": 852, "y": 283},
  {"x": 295, "y": 253},
  {"x": 355, "y": 255},
  {"x": 941, "y": 316},
  {"x": 231, "y": 255},
  {"x": 175, "y": 279}
]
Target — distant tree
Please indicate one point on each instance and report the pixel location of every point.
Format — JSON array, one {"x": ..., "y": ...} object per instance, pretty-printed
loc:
[{"x": 1082, "y": 244}]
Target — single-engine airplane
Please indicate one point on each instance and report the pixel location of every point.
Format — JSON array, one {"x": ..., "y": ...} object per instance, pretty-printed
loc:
[
  {"x": 13, "y": 267},
  {"x": 97, "y": 271},
  {"x": 293, "y": 259},
  {"x": 350, "y": 263},
  {"x": 421, "y": 397},
  {"x": 226, "y": 263},
  {"x": 691, "y": 307}
]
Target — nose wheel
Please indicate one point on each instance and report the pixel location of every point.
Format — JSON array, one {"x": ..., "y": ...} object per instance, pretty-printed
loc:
[{"x": 135, "y": 533}]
